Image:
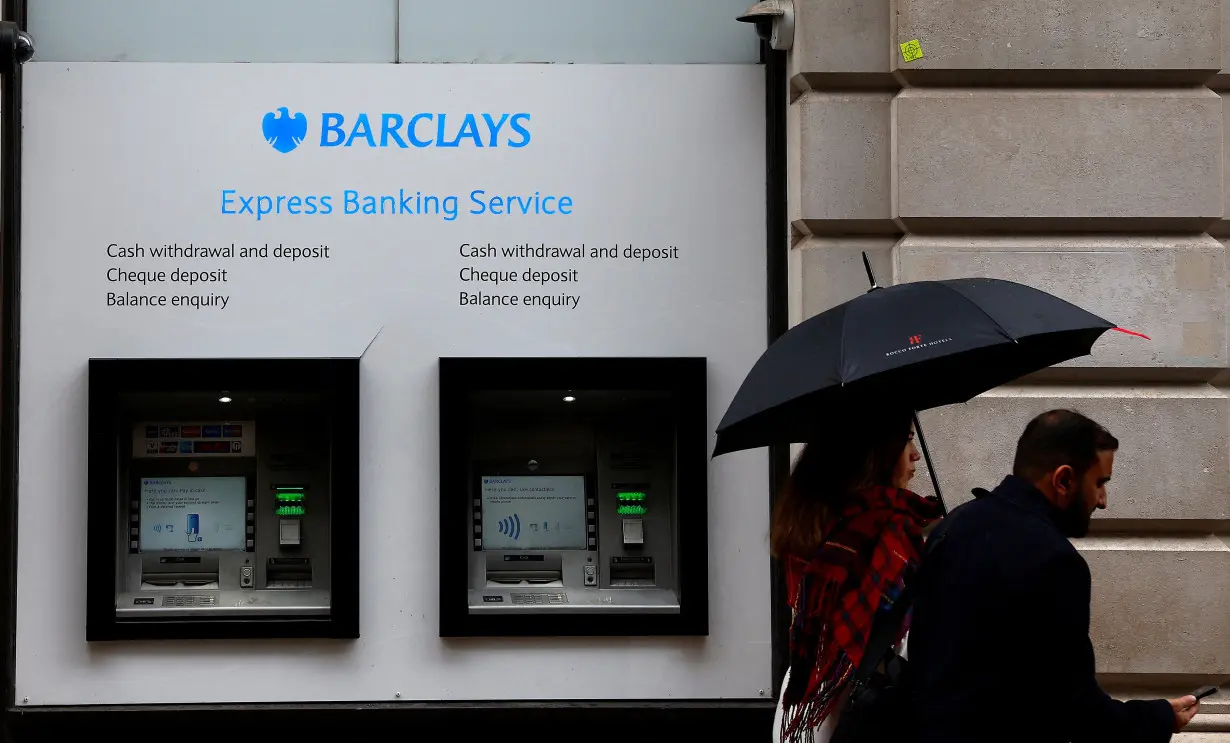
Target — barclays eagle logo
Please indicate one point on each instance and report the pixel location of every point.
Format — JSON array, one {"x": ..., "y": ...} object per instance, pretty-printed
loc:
[{"x": 283, "y": 131}]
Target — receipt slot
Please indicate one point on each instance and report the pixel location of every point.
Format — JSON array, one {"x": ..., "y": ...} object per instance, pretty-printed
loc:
[
  {"x": 222, "y": 498},
  {"x": 573, "y": 496}
]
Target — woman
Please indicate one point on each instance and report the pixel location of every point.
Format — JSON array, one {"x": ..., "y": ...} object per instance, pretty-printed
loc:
[{"x": 847, "y": 529}]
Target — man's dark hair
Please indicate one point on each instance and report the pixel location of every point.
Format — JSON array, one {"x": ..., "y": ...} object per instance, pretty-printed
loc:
[{"x": 1059, "y": 437}]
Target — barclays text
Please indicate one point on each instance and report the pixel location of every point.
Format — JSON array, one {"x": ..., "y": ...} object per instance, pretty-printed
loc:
[{"x": 425, "y": 130}]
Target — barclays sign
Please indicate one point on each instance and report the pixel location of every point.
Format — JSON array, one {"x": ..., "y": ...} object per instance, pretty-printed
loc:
[{"x": 286, "y": 131}]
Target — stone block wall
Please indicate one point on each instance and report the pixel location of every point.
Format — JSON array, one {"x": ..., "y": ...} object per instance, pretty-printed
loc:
[{"x": 1077, "y": 146}]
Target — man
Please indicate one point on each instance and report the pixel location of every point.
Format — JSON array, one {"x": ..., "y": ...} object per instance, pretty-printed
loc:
[{"x": 999, "y": 645}]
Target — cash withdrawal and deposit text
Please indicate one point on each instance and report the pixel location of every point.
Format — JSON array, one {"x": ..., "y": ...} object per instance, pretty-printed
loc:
[
  {"x": 188, "y": 275},
  {"x": 195, "y": 276},
  {"x": 539, "y": 274}
]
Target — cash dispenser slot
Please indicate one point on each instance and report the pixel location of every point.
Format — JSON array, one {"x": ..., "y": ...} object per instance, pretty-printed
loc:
[
  {"x": 632, "y": 572},
  {"x": 289, "y": 572},
  {"x": 167, "y": 572},
  {"x": 534, "y": 570}
]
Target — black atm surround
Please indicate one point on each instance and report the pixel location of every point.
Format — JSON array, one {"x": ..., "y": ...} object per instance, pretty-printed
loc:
[
  {"x": 684, "y": 378},
  {"x": 336, "y": 379}
]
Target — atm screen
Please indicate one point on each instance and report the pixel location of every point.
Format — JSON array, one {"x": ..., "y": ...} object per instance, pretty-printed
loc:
[
  {"x": 192, "y": 513},
  {"x": 544, "y": 512}
]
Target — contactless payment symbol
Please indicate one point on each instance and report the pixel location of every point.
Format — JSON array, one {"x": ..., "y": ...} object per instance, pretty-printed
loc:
[
  {"x": 284, "y": 131},
  {"x": 510, "y": 526}
]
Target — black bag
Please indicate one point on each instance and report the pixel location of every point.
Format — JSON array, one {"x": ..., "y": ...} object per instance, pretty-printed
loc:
[{"x": 877, "y": 709}]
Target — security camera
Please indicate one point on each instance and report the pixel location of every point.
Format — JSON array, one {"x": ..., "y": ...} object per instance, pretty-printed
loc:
[
  {"x": 25, "y": 47},
  {"x": 774, "y": 21}
]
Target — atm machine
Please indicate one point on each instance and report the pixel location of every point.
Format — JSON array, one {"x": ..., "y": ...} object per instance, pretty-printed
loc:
[
  {"x": 223, "y": 498},
  {"x": 573, "y": 496}
]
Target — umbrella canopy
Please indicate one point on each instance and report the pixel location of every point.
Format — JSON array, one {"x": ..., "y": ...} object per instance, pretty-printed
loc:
[{"x": 917, "y": 345}]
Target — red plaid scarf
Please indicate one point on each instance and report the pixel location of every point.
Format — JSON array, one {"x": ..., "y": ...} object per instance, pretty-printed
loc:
[{"x": 859, "y": 569}]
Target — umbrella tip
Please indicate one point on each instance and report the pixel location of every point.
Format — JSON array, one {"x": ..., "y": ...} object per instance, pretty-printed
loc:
[
  {"x": 871, "y": 277},
  {"x": 1133, "y": 332}
]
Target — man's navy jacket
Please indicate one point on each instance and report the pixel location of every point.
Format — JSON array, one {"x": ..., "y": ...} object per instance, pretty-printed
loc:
[{"x": 999, "y": 645}]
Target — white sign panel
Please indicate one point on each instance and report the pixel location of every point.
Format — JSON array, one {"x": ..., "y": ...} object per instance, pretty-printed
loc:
[{"x": 415, "y": 212}]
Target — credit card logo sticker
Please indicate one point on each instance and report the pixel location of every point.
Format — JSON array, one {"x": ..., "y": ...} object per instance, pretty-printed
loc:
[{"x": 211, "y": 447}]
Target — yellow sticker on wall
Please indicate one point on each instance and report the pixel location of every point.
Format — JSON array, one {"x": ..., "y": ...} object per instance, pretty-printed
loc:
[{"x": 911, "y": 50}]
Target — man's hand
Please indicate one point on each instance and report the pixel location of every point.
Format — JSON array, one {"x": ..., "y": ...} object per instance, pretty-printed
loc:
[{"x": 1185, "y": 709}]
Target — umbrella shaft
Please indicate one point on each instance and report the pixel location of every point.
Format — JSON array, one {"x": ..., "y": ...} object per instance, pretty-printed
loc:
[{"x": 922, "y": 444}]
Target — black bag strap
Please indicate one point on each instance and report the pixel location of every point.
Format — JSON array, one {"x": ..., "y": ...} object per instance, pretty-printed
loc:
[
  {"x": 885, "y": 626},
  {"x": 884, "y": 630},
  {"x": 883, "y": 633}
]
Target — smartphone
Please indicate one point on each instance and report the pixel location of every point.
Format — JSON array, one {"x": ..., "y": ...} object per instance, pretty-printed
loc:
[{"x": 1204, "y": 691}]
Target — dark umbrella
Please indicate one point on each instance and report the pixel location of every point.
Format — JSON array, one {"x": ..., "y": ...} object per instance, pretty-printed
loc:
[{"x": 919, "y": 345}]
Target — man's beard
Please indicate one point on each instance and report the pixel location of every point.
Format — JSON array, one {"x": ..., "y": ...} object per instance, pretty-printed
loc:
[{"x": 1074, "y": 520}]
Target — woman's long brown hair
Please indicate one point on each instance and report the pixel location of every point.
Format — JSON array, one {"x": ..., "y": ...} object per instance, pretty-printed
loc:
[{"x": 830, "y": 470}]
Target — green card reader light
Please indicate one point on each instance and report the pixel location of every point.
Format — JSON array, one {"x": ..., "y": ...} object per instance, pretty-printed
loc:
[
  {"x": 631, "y": 504},
  {"x": 289, "y": 507}
]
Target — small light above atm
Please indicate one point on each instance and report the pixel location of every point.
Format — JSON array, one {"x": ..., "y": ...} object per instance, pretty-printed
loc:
[
  {"x": 569, "y": 398},
  {"x": 225, "y": 398}
]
